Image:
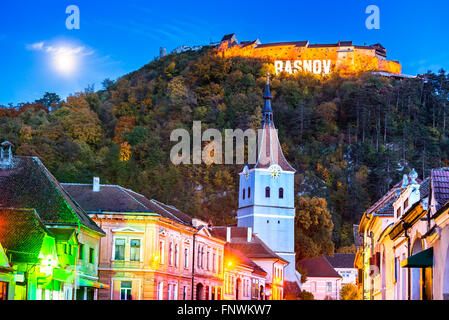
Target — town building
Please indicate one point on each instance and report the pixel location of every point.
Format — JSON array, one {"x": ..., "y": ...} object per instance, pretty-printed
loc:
[
  {"x": 29, "y": 189},
  {"x": 266, "y": 195},
  {"x": 151, "y": 251},
  {"x": 322, "y": 279},
  {"x": 405, "y": 249}
]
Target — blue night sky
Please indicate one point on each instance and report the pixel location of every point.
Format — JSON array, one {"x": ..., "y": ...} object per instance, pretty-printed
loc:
[{"x": 117, "y": 37}]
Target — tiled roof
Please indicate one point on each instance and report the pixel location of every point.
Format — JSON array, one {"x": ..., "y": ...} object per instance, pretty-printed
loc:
[
  {"x": 440, "y": 186},
  {"x": 29, "y": 184},
  {"x": 118, "y": 199},
  {"x": 342, "y": 260},
  {"x": 256, "y": 249},
  {"x": 21, "y": 234},
  {"x": 240, "y": 258},
  {"x": 228, "y": 37},
  {"x": 318, "y": 267}
]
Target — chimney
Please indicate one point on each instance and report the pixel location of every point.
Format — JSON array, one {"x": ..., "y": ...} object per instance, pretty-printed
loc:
[
  {"x": 250, "y": 234},
  {"x": 96, "y": 185},
  {"x": 228, "y": 234}
]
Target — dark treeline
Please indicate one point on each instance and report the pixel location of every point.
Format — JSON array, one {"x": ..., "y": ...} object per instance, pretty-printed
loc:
[{"x": 350, "y": 139}]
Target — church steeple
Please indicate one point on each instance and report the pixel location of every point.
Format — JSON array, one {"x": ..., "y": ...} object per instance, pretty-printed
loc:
[{"x": 267, "y": 111}]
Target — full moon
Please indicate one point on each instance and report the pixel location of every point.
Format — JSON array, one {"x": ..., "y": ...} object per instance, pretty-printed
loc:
[{"x": 64, "y": 61}]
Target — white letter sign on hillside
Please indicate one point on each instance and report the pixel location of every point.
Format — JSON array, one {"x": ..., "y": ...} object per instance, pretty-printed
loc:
[{"x": 312, "y": 66}]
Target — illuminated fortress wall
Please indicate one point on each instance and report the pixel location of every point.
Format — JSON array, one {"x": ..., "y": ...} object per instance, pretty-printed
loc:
[{"x": 301, "y": 56}]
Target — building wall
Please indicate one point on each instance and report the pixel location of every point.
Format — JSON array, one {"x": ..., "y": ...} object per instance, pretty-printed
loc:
[{"x": 319, "y": 287}]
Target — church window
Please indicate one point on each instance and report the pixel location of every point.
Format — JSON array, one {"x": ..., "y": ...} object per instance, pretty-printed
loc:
[
  {"x": 249, "y": 192},
  {"x": 267, "y": 192},
  {"x": 281, "y": 193},
  {"x": 244, "y": 194}
]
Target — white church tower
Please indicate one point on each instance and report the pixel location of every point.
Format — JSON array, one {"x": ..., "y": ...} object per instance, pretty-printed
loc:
[{"x": 266, "y": 193}]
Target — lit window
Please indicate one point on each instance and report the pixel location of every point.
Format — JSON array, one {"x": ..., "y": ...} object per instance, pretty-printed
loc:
[
  {"x": 125, "y": 290},
  {"x": 135, "y": 250},
  {"x": 160, "y": 291},
  {"x": 120, "y": 249},
  {"x": 161, "y": 251}
]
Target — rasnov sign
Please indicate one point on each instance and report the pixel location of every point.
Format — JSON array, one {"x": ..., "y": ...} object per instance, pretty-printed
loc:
[{"x": 294, "y": 66}]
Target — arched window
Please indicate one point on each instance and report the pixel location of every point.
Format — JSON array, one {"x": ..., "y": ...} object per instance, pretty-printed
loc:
[
  {"x": 244, "y": 194},
  {"x": 267, "y": 192},
  {"x": 281, "y": 193},
  {"x": 249, "y": 192}
]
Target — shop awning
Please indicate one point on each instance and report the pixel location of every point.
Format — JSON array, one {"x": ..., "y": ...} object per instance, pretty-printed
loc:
[
  {"x": 62, "y": 275},
  {"x": 88, "y": 283},
  {"x": 421, "y": 259}
]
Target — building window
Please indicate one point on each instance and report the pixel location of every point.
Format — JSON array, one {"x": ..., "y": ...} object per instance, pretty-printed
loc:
[
  {"x": 202, "y": 258},
  {"x": 81, "y": 252},
  {"x": 267, "y": 192},
  {"x": 198, "y": 260},
  {"x": 120, "y": 249},
  {"x": 329, "y": 286},
  {"x": 186, "y": 258},
  {"x": 169, "y": 292},
  {"x": 406, "y": 204},
  {"x": 170, "y": 254},
  {"x": 135, "y": 250},
  {"x": 125, "y": 290},
  {"x": 160, "y": 291},
  {"x": 244, "y": 194},
  {"x": 91, "y": 255},
  {"x": 175, "y": 292},
  {"x": 281, "y": 193},
  {"x": 4, "y": 290},
  {"x": 214, "y": 261},
  {"x": 313, "y": 287},
  {"x": 398, "y": 215},
  {"x": 161, "y": 251},
  {"x": 70, "y": 250},
  {"x": 249, "y": 192},
  {"x": 184, "y": 293},
  {"x": 208, "y": 261},
  {"x": 176, "y": 255},
  {"x": 65, "y": 248},
  {"x": 219, "y": 263}
]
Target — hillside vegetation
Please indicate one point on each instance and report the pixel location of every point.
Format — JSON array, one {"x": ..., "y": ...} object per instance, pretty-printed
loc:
[{"x": 350, "y": 139}]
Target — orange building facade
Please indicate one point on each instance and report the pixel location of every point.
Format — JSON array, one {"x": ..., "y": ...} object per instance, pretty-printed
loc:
[{"x": 293, "y": 57}]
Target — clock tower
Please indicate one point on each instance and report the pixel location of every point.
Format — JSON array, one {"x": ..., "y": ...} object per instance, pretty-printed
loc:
[{"x": 266, "y": 193}]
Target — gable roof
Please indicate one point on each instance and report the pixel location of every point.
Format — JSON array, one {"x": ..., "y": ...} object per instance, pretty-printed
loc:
[
  {"x": 118, "y": 199},
  {"x": 342, "y": 260},
  {"x": 318, "y": 267},
  {"x": 256, "y": 249},
  {"x": 29, "y": 184},
  {"x": 22, "y": 234}
]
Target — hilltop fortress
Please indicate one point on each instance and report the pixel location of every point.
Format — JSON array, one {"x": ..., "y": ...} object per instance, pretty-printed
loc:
[{"x": 300, "y": 56}]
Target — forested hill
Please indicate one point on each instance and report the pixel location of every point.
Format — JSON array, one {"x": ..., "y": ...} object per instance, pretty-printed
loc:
[{"x": 350, "y": 139}]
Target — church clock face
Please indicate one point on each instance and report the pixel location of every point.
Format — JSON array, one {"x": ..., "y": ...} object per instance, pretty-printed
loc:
[{"x": 275, "y": 171}]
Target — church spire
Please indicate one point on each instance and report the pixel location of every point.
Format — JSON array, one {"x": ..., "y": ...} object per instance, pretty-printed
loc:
[{"x": 267, "y": 112}]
